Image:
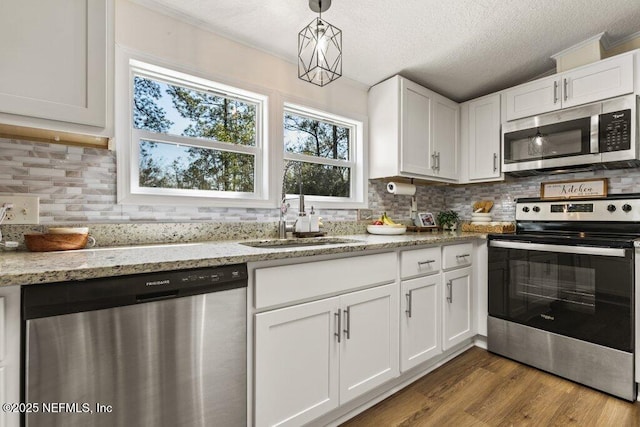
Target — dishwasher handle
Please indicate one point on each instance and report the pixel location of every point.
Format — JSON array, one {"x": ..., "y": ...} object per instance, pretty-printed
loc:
[{"x": 157, "y": 296}]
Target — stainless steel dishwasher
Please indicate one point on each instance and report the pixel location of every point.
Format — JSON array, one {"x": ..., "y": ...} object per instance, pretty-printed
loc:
[{"x": 158, "y": 349}]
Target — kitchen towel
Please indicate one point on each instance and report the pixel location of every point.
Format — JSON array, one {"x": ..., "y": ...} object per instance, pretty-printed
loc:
[{"x": 401, "y": 189}]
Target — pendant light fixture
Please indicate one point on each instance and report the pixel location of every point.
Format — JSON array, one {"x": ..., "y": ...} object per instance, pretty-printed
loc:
[
  {"x": 536, "y": 144},
  {"x": 319, "y": 48}
]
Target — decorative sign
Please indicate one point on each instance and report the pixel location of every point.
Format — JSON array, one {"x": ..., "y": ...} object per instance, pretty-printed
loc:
[{"x": 574, "y": 189}]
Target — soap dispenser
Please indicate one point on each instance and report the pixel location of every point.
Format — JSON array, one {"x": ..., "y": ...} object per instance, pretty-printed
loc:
[
  {"x": 314, "y": 225},
  {"x": 302, "y": 223}
]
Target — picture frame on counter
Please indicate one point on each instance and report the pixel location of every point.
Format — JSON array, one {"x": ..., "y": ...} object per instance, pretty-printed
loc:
[
  {"x": 426, "y": 219},
  {"x": 574, "y": 189}
]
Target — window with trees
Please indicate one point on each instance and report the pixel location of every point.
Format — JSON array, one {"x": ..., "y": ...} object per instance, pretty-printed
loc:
[
  {"x": 322, "y": 155},
  {"x": 193, "y": 137}
]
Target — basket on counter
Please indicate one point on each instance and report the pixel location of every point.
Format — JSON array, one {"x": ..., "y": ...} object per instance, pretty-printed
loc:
[
  {"x": 55, "y": 242},
  {"x": 490, "y": 227}
]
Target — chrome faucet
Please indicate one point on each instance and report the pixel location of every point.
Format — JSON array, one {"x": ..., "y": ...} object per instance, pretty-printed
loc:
[{"x": 283, "y": 227}]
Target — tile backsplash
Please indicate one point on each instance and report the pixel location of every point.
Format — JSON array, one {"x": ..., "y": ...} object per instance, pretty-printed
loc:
[
  {"x": 461, "y": 197},
  {"x": 78, "y": 185}
]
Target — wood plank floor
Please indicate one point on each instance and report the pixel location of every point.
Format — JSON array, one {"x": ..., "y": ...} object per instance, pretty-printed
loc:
[{"x": 479, "y": 388}]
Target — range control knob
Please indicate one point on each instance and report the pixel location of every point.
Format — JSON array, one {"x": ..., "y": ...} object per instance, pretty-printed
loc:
[
  {"x": 525, "y": 209},
  {"x": 611, "y": 208},
  {"x": 626, "y": 207},
  {"x": 536, "y": 208}
]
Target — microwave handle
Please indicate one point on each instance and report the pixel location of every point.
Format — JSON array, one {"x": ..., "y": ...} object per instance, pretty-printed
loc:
[{"x": 594, "y": 134}]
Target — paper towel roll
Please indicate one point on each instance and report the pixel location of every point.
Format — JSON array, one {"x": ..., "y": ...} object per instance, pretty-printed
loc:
[{"x": 401, "y": 189}]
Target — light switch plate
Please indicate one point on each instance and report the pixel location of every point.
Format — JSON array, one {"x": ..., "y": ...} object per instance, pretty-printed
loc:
[{"x": 24, "y": 209}]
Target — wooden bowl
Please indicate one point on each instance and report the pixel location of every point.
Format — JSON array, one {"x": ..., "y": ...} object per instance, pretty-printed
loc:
[{"x": 55, "y": 242}]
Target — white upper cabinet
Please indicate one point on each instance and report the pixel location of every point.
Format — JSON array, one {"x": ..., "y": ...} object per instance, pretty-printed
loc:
[
  {"x": 414, "y": 132},
  {"x": 415, "y": 137},
  {"x": 601, "y": 80},
  {"x": 533, "y": 98},
  {"x": 55, "y": 61},
  {"x": 445, "y": 138},
  {"x": 481, "y": 119}
]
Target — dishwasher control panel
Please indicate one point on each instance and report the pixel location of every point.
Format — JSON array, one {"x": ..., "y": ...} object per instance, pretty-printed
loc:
[{"x": 96, "y": 294}]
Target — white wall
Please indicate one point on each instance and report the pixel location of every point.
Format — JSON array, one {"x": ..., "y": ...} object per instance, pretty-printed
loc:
[
  {"x": 172, "y": 40},
  {"x": 166, "y": 39}
]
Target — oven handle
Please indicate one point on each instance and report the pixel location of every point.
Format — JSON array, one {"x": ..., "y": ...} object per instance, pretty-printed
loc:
[{"x": 582, "y": 250}]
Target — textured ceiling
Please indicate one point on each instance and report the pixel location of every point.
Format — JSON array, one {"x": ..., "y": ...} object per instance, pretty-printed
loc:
[{"x": 460, "y": 48}]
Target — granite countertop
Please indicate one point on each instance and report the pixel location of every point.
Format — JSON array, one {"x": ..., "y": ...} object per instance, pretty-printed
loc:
[{"x": 24, "y": 268}]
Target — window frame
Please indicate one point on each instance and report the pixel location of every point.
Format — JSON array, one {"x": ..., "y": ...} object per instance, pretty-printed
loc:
[
  {"x": 356, "y": 162},
  {"x": 129, "y": 191}
]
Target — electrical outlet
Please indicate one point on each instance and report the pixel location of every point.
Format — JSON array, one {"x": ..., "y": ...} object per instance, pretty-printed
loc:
[{"x": 24, "y": 209}]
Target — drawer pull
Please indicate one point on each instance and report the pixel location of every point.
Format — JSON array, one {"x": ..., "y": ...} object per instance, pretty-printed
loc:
[
  {"x": 462, "y": 256},
  {"x": 408, "y": 310},
  {"x": 347, "y": 316},
  {"x": 429, "y": 261},
  {"x": 338, "y": 315}
]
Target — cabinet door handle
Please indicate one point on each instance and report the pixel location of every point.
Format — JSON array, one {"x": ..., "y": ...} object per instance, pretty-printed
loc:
[
  {"x": 462, "y": 256},
  {"x": 338, "y": 316},
  {"x": 408, "y": 310},
  {"x": 429, "y": 261},
  {"x": 450, "y": 291},
  {"x": 555, "y": 92},
  {"x": 566, "y": 88},
  {"x": 347, "y": 321},
  {"x": 438, "y": 157},
  {"x": 495, "y": 162},
  {"x": 433, "y": 161}
]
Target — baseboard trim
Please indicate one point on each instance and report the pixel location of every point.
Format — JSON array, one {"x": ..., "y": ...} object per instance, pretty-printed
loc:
[{"x": 480, "y": 341}]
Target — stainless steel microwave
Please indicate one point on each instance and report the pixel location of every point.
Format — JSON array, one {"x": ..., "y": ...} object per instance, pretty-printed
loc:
[{"x": 598, "y": 135}]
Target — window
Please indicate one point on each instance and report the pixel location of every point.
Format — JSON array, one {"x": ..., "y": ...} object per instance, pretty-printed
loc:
[
  {"x": 195, "y": 139},
  {"x": 323, "y": 156}
]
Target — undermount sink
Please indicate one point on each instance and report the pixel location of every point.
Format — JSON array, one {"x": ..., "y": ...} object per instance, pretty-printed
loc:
[{"x": 297, "y": 243}]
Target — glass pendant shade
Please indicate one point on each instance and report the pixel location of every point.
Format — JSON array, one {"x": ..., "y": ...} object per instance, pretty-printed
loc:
[
  {"x": 536, "y": 144},
  {"x": 320, "y": 53}
]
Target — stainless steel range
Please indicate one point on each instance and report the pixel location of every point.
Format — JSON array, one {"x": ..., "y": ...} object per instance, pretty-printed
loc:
[{"x": 562, "y": 290}]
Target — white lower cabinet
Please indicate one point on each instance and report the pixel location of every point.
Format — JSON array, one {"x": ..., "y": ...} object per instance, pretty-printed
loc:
[
  {"x": 420, "y": 324},
  {"x": 9, "y": 353},
  {"x": 369, "y": 343},
  {"x": 296, "y": 363},
  {"x": 312, "y": 357},
  {"x": 457, "y": 313}
]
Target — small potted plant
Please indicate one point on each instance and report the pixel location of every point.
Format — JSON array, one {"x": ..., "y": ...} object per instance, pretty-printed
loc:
[{"x": 448, "y": 220}]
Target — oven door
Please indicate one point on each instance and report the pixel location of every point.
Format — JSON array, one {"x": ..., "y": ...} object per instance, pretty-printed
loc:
[{"x": 577, "y": 291}]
